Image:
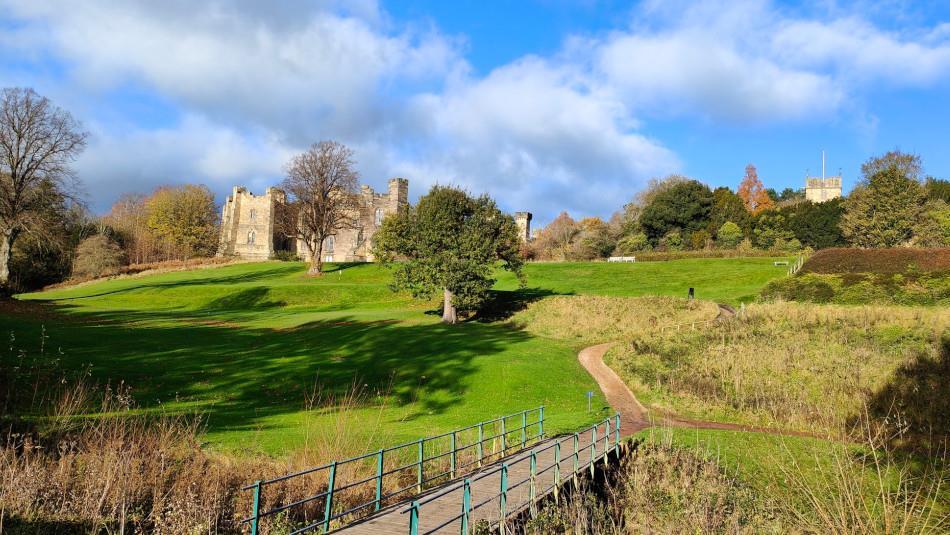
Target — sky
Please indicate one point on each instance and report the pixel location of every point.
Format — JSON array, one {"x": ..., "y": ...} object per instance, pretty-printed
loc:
[{"x": 547, "y": 105}]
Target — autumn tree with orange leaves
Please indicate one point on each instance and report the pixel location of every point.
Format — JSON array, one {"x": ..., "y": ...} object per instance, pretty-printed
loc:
[{"x": 753, "y": 193}]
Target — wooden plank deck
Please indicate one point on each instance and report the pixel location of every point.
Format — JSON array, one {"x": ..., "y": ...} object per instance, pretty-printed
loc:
[{"x": 441, "y": 507}]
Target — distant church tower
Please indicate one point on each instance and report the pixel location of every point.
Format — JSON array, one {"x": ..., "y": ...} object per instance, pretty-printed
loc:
[
  {"x": 824, "y": 188},
  {"x": 523, "y": 220}
]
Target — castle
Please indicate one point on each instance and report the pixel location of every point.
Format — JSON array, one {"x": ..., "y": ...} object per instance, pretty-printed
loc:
[
  {"x": 822, "y": 189},
  {"x": 248, "y": 228}
]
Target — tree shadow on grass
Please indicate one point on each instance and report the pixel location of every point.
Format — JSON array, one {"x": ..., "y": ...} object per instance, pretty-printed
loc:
[
  {"x": 502, "y": 304},
  {"x": 918, "y": 394},
  {"x": 239, "y": 375}
]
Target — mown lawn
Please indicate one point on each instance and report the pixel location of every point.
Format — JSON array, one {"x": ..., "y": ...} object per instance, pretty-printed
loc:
[{"x": 246, "y": 345}]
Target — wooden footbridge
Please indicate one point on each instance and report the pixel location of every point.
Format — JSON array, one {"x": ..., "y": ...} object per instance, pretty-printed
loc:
[{"x": 482, "y": 475}]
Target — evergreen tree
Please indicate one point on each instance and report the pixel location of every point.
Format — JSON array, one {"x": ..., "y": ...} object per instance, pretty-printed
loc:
[
  {"x": 882, "y": 211},
  {"x": 449, "y": 243}
]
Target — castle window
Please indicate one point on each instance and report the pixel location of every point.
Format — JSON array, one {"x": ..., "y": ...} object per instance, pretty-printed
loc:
[
  {"x": 328, "y": 245},
  {"x": 250, "y": 237},
  {"x": 253, "y": 215},
  {"x": 379, "y": 216}
]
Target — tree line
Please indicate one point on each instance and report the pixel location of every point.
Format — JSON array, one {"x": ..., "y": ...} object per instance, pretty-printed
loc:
[
  {"x": 892, "y": 205},
  {"x": 47, "y": 234}
]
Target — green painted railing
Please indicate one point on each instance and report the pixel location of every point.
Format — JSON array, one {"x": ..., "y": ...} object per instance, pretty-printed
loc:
[
  {"x": 427, "y": 453},
  {"x": 465, "y": 517}
]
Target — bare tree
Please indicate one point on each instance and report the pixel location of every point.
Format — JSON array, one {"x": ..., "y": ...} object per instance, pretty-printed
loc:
[
  {"x": 38, "y": 141},
  {"x": 322, "y": 187}
]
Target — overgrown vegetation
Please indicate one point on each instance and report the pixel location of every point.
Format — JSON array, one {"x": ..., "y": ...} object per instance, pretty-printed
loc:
[{"x": 877, "y": 276}]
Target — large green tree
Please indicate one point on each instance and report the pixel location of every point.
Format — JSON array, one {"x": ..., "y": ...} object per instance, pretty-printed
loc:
[
  {"x": 449, "y": 242},
  {"x": 883, "y": 209},
  {"x": 685, "y": 206},
  {"x": 816, "y": 224}
]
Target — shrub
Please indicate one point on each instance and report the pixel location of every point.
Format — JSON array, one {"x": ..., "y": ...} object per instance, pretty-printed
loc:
[
  {"x": 97, "y": 256},
  {"x": 285, "y": 256},
  {"x": 729, "y": 235},
  {"x": 810, "y": 287},
  {"x": 673, "y": 241},
  {"x": 699, "y": 239},
  {"x": 633, "y": 243}
]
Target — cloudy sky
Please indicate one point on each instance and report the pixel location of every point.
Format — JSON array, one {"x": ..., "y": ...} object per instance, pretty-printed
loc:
[{"x": 548, "y": 105}]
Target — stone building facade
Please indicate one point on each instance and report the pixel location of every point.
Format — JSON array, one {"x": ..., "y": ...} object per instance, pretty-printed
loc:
[
  {"x": 248, "y": 230},
  {"x": 822, "y": 189},
  {"x": 523, "y": 220}
]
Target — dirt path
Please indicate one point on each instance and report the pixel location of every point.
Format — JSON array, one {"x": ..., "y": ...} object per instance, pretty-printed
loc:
[{"x": 634, "y": 416}]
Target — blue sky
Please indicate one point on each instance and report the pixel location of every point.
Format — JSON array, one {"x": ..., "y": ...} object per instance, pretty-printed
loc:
[{"x": 548, "y": 105}]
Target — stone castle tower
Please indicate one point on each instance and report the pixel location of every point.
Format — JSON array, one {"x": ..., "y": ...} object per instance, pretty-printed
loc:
[
  {"x": 247, "y": 224},
  {"x": 523, "y": 220},
  {"x": 824, "y": 188}
]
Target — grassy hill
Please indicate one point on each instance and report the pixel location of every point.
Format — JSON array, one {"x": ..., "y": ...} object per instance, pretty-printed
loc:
[{"x": 248, "y": 344}]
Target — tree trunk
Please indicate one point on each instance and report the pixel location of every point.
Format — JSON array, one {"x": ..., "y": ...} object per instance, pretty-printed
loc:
[
  {"x": 6, "y": 251},
  {"x": 448, "y": 309},
  {"x": 316, "y": 260}
]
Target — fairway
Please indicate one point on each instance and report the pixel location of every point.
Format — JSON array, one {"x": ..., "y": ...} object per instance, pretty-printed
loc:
[{"x": 247, "y": 344}]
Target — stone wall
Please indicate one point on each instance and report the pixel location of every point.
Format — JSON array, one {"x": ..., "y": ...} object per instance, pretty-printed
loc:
[{"x": 822, "y": 189}]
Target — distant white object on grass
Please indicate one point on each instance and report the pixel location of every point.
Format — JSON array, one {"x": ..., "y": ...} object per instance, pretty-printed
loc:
[{"x": 622, "y": 259}]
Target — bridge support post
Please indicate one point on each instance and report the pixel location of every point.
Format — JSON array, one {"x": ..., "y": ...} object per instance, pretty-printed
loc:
[
  {"x": 532, "y": 485},
  {"x": 466, "y": 505},
  {"x": 481, "y": 441},
  {"x": 452, "y": 457},
  {"x": 328, "y": 510},
  {"x": 524, "y": 428},
  {"x": 503, "y": 500},
  {"x": 606, "y": 438},
  {"x": 577, "y": 459},
  {"x": 617, "y": 432},
  {"x": 414, "y": 518},
  {"x": 593, "y": 448},
  {"x": 557, "y": 470},
  {"x": 256, "y": 508},
  {"x": 541, "y": 422},
  {"x": 419, "y": 479},
  {"x": 379, "y": 479}
]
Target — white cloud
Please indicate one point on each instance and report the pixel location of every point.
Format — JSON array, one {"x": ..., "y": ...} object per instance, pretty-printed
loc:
[{"x": 249, "y": 83}]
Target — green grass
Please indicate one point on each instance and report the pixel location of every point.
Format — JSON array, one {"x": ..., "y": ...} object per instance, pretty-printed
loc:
[
  {"x": 725, "y": 280},
  {"x": 245, "y": 344}
]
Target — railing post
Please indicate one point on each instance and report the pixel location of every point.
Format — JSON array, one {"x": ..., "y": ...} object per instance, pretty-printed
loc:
[
  {"x": 256, "y": 508},
  {"x": 557, "y": 470},
  {"x": 379, "y": 479},
  {"x": 414, "y": 518},
  {"x": 452, "y": 457},
  {"x": 524, "y": 428},
  {"x": 577, "y": 458},
  {"x": 421, "y": 463},
  {"x": 503, "y": 500},
  {"x": 481, "y": 441},
  {"x": 532, "y": 484},
  {"x": 617, "y": 431},
  {"x": 541, "y": 422},
  {"x": 466, "y": 505},
  {"x": 606, "y": 438},
  {"x": 328, "y": 510},
  {"x": 593, "y": 448},
  {"x": 504, "y": 437}
]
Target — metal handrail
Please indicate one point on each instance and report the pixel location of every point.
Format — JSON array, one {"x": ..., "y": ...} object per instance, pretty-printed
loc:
[
  {"x": 422, "y": 478},
  {"x": 467, "y": 508}
]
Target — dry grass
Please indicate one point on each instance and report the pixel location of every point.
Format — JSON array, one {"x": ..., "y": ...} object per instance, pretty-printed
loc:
[
  {"x": 660, "y": 488},
  {"x": 595, "y": 319},
  {"x": 119, "y": 472},
  {"x": 792, "y": 365}
]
